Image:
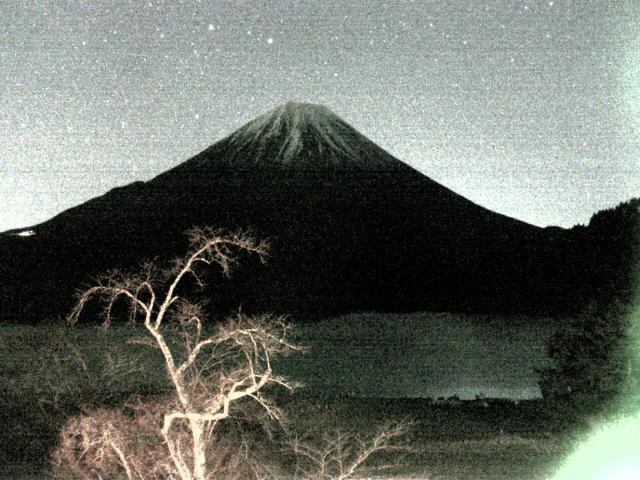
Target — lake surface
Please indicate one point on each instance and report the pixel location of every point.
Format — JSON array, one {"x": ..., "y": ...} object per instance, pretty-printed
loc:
[{"x": 422, "y": 355}]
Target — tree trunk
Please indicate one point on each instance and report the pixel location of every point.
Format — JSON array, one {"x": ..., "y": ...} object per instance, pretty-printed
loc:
[{"x": 199, "y": 453}]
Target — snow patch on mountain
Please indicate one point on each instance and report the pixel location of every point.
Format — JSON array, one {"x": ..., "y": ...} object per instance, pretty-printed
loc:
[
  {"x": 25, "y": 233},
  {"x": 296, "y": 127}
]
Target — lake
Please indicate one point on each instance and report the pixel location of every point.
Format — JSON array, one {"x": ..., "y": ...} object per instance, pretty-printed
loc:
[{"x": 422, "y": 355}]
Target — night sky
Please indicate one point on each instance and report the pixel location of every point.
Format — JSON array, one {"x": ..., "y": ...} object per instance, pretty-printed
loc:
[{"x": 531, "y": 109}]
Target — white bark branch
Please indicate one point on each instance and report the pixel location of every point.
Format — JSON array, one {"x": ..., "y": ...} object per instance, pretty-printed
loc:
[{"x": 203, "y": 401}]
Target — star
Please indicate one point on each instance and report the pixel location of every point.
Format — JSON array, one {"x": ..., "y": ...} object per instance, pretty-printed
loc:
[{"x": 194, "y": 53}]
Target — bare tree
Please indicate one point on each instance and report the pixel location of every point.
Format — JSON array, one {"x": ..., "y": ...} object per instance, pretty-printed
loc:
[
  {"x": 209, "y": 372},
  {"x": 340, "y": 455}
]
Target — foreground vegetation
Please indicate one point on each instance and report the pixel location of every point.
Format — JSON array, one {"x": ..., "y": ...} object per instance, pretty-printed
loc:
[
  {"x": 50, "y": 373},
  {"x": 88, "y": 405}
]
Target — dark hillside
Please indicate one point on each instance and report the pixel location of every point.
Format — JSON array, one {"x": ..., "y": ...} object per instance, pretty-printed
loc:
[{"x": 352, "y": 228}]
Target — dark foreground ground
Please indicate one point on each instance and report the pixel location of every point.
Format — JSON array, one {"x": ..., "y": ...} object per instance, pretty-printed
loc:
[
  {"x": 466, "y": 440},
  {"x": 48, "y": 374},
  {"x": 484, "y": 439}
]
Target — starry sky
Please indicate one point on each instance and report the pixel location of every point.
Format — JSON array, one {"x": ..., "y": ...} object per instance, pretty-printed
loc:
[{"x": 529, "y": 108}]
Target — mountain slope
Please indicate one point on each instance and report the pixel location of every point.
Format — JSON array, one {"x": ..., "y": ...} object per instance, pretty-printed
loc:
[{"x": 352, "y": 228}]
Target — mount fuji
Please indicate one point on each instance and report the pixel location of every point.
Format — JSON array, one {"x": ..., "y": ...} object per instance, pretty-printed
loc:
[{"x": 352, "y": 228}]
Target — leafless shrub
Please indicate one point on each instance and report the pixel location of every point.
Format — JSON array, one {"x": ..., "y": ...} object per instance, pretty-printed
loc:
[
  {"x": 340, "y": 455},
  {"x": 108, "y": 444},
  {"x": 127, "y": 443}
]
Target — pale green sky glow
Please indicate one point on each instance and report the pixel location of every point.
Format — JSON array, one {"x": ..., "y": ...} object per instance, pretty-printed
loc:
[{"x": 613, "y": 453}]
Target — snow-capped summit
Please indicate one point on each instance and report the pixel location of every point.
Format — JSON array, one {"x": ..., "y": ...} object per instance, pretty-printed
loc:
[
  {"x": 351, "y": 228},
  {"x": 305, "y": 134}
]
